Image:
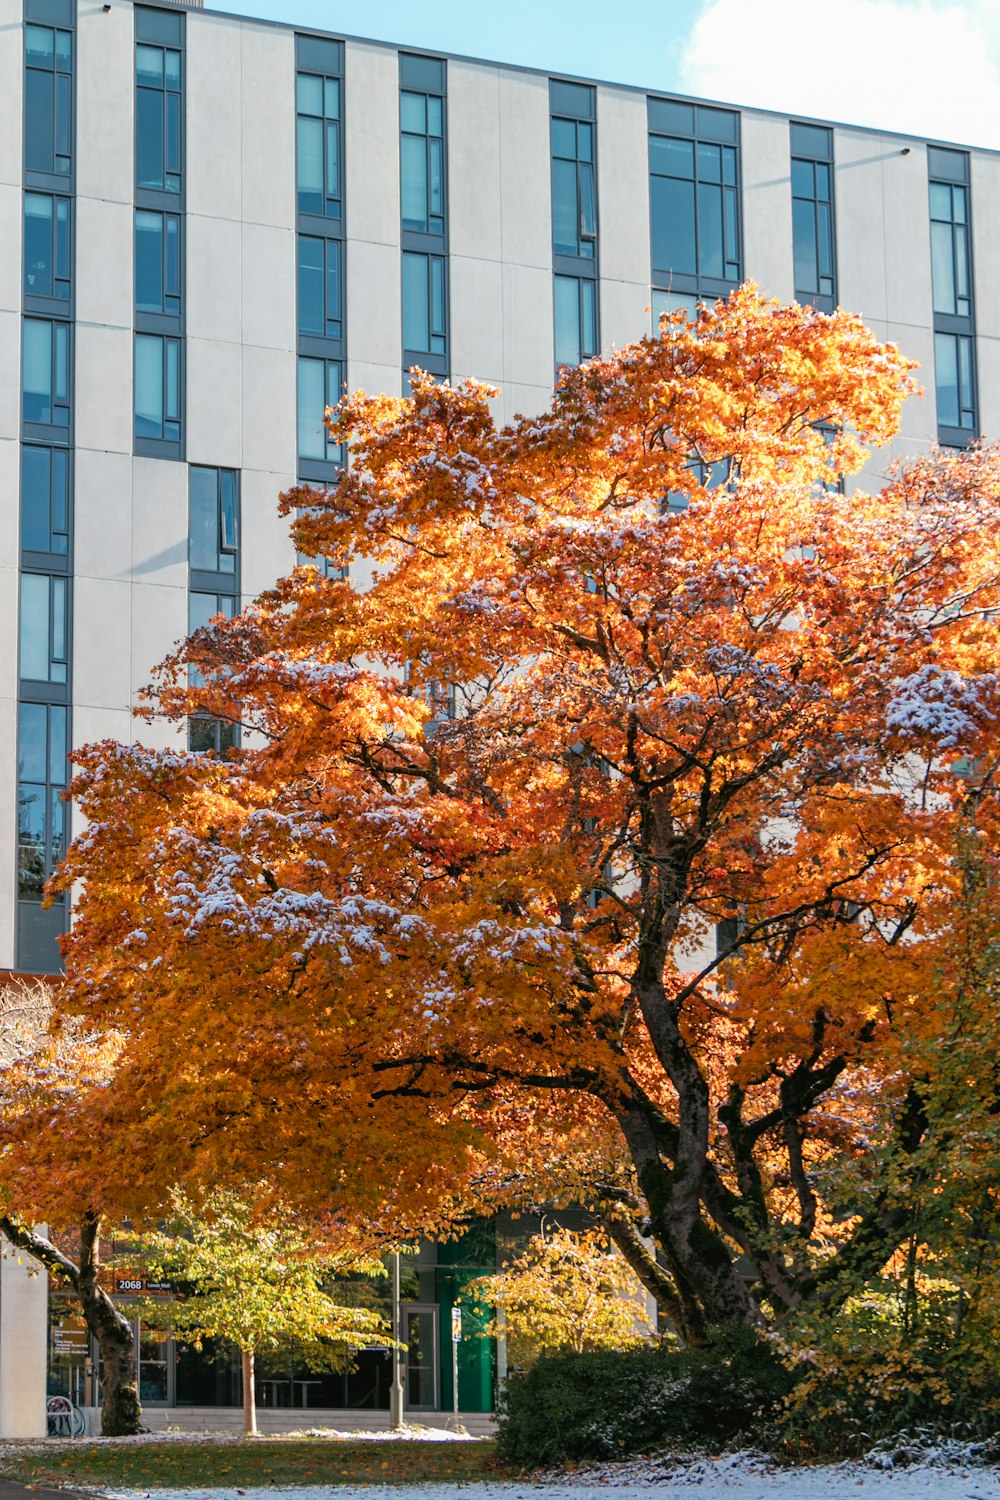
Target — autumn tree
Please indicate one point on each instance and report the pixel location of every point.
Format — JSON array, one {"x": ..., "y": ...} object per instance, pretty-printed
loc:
[
  {"x": 257, "y": 1283},
  {"x": 565, "y": 1291},
  {"x": 680, "y": 858},
  {"x": 37, "y": 1063}
]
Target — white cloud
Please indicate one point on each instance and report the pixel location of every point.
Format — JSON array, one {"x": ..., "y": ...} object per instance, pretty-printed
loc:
[{"x": 922, "y": 67}]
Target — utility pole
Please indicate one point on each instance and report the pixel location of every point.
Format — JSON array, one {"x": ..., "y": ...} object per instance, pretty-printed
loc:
[{"x": 396, "y": 1389}]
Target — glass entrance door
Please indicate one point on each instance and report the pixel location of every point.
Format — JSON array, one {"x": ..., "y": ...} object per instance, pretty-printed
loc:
[
  {"x": 420, "y": 1335},
  {"x": 155, "y": 1371}
]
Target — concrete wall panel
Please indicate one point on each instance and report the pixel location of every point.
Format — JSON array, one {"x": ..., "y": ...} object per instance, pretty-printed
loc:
[
  {"x": 102, "y": 613},
  {"x": 269, "y": 440},
  {"x": 988, "y": 355},
  {"x": 105, "y": 136},
  {"x": 529, "y": 340},
  {"x": 859, "y": 160},
  {"x": 214, "y": 403},
  {"x": 906, "y": 216},
  {"x": 269, "y": 266},
  {"x": 374, "y": 303},
  {"x": 11, "y": 241},
  {"x": 214, "y": 61},
  {"x": 371, "y": 143},
  {"x": 159, "y": 524},
  {"x": 103, "y": 388},
  {"x": 625, "y": 312},
  {"x": 102, "y": 515},
  {"x": 11, "y": 91},
  {"x": 476, "y": 319},
  {"x": 268, "y": 149},
  {"x": 525, "y": 172},
  {"x": 474, "y": 155},
  {"x": 104, "y": 262},
  {"x": 159, "y": 622},
  {"x": 267, "y": 552},
  {"x": 214, "y": 278},
  {"x": 985, "y": 178},
  {"x": 767, "y": 204},
  {"x": 623, "y": 186}
]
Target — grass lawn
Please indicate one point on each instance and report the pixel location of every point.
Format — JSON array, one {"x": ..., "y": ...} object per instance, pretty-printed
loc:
[{"x": 259, "y": 1461}]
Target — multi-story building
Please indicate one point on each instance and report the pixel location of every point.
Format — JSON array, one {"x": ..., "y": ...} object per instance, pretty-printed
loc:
[{"x": 210, "y": 225}]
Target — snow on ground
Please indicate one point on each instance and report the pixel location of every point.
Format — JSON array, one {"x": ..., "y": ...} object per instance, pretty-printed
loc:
[{"x": 739, "y": 1476}]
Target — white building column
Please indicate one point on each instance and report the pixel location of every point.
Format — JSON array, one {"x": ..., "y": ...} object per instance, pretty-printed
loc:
[{"x": 24, "y": 1328}]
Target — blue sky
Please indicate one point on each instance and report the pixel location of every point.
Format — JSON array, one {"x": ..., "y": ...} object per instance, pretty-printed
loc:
[{"x": 930, "y": 67}]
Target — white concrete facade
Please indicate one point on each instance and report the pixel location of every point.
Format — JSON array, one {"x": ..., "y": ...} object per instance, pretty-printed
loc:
[{"x": 128, "y": 561}]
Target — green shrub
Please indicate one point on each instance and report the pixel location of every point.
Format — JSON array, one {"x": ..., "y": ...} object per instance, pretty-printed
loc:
[{"x": 609, "y": 1404}]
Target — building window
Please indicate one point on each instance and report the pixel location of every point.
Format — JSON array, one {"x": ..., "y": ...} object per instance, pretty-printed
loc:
[
  {"x": 207, "y": 733},
  {"x": 158, "y": 115},
  {"x": 319, "y": 387},
  {"x": 812, "y": 215},
  {"x": 425, "y": 330},
  {"x": 319, "y": 170},
  {"x": 157, "y": 389},
  {"x": 576, "y": 320},
  {"x": 48, "y": 100},
  {"x": 574, "y": 194},
  {"x": 203, "y": 607},
  {"x": 422, "y": 173},
  {"x": 45, "y": 501},
  {"x": 44, "y": 655},
  {"x": 46, "y": 389},
  {"x": 320, "y": 288},
  {"x": 668, "y": 302},
  {"x": 42, "y": 750},
  {"x": 46, "y": 248},
  {"x": 213, "y": 532},
  {"x": 954, "y": 309},
  {"x": 953, "y": 367},
  {"x": 694, "y": 198},
  {"x": 158, "y": 263}
]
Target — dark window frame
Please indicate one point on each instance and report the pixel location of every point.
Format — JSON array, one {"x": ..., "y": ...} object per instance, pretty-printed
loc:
[
  {"x": 581, "y": 282},
  {"x": 54, "y": 687},
  {"x": 310, "y": 467},
  {"x": 949, "y": 168},
  {"x": 145, "y": 444},
  {"x": 58, "y": 306},
  {"x": 164, "y": 31},
  {"x": 704, "y": 125},
  {"x": 62, "y": 107},
  {"x": 434, "y": 361},
  {"x": 49, "y": 560},
  {"x": 148, "y": 320},
  {"x": 812, "y": 148},
  {"x": 52, "y": 432}
]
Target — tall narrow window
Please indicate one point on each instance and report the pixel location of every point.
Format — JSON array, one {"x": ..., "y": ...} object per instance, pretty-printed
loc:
[
  {"x": 46, "y": 374},
  {"x": 48, "y": 100},
  {"x": 43, "y": 747},
  {"x": 320, "y": 251},
  {"x": 319, "y": 387},
  {"x": 576, "y": 320},
  {"x": 158, "y": 389},
  {"x": 954, "y": 310},
  {"x": 158, "y": 263},
  {"x": 158, "y": 117},
  {"x": 694, "y": 198},
  {"x": 574, "y": 195},
  {"x": 812, "y": 215},
  {"x": 45, "y": 501},
  {"x": 320, "y": 297},
  {"x": 159, "y": 233},
  {"x": 318, "y": 91},
  {"x": 424, "y": 212},
  {"x": 573, "y": 152},
  {"x": 214, "y": 556},
  {"x": 422, "y": 176},
  {"x": 46, "y": 250},
  {"x": 44, "y": 655}
]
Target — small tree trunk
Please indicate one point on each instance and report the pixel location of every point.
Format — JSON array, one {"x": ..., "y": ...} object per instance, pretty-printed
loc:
[
  {"x": 120, "y": 1409},
  {"x": 249, "y": 1394}
]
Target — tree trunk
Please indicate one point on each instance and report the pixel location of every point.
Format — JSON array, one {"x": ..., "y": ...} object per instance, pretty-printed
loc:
[
  {"x": 249, "y": 1394},
  {"x": 121, "y": 1412},
  {"x": 120, "y": 1409}
]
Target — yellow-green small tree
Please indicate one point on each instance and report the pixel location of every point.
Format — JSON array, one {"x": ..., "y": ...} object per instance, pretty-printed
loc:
[
  {"x": 258, "y": 1284},
  {"x": 567, "y": 1291}
]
